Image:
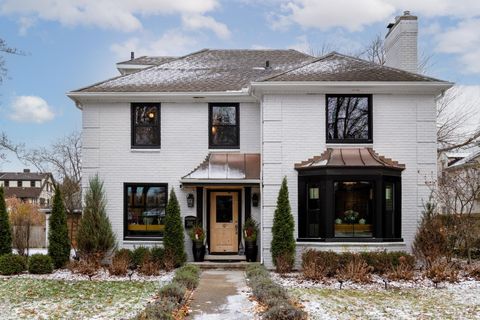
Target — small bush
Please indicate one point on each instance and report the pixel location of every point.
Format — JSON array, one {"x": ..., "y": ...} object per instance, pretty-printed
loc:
[
  {"x": 169, "y": 260},
  {"x": 285, "y": 311},
  {"x": 317, "y": 265},
  {"x": 431, "y": 240},
  {"x": 158, "y": 255},
  {"x": 475, "y": 273},
  {"x": 284, "y": 263},
  {"x": 87, "y": 266},
  {"x": 40, "y": 264},
  {"x": 268, "y": 292},
  {"x": 140, "y": 254},
  {"x": 403, "y": 271},
  {"x": 121, "y": 262},
  {"x": 256, "y": 270},
  {"x": 441, "y": 270},
  {"x": 356, "y": 270},
  {"x": 12, "y": 264},
  {"x": 384, "y": 262},
  {"x": 186, "y": 278},
  {"x": 149, "y": 267},
  {"x": 174, "y": 291},
  {"x": 160, "y": 310}
]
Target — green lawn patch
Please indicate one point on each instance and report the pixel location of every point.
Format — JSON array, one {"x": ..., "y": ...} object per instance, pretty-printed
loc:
[{"x": 25, "y": 298}]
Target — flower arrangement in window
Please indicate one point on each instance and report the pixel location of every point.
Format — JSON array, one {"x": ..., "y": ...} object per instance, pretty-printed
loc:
[
  {"x": 351, "y": 216},
  {"x": 197, "y": 234}
]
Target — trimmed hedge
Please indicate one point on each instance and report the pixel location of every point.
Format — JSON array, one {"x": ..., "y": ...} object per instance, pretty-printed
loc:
[
  {"x": 172, "y": 295},
  {"x": 272, "y": 295},
  {"x": 40, "y": 264},
  {"x": 317, "y": 265},
  {"x": 12, "y": 264}
]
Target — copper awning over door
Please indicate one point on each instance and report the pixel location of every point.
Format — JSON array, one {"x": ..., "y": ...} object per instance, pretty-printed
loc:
[{"x": 226, "y": 168}]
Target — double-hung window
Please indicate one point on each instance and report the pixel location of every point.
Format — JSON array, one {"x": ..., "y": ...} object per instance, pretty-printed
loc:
[
  {"x": 224, "y": 126},
  {"x": 146, "y": 125}
]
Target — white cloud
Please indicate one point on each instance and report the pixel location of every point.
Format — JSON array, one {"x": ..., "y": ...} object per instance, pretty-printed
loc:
[
  {"x": 109, "y": 14},
  {"x": 30, "y": 109},
  {"x": 171, "y": 43},
  {"x": 302, "y": 45},
  {"x": 25, "y": 23},
  {"x": 354, "y": 15},
  {"x": 196, "y": 21},
  {"x": 463, "y": 40}
]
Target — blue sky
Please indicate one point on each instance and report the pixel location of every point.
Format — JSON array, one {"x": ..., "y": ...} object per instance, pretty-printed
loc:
[{"x": 70, "y": 44}]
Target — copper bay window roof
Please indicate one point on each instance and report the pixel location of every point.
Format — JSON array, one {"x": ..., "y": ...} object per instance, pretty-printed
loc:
[
  {"x": 226, "y": 168},
  {"x": 349, "y": 157}
]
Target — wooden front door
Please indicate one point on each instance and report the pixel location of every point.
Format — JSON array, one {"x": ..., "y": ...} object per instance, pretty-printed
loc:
[{"x": 223, "y": 222}]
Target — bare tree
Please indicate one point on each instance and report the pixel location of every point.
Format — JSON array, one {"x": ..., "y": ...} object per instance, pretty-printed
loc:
[
  {"x": 457, "y": 191},
  {"x": 453, "y": 122},
  {"x": 374, "y": 51},
  {"x": 4, "y": 48}
]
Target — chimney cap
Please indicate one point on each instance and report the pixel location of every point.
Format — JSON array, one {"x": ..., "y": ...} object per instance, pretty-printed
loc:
[
  {"x": 132, "y": 55},
  {"x": 26, "y": 170},
  {"x": 406, "y": 12}
]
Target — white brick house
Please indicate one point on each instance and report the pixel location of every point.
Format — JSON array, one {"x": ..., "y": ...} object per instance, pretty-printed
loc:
[{"x": 223, "y": 127}]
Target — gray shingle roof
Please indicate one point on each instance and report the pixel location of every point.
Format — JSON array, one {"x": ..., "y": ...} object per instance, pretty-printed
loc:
[
  {"x": 338, "y": 67},
  {"x": 21, "y": 192},
  {"x": 206, "y": 70},
  {"x": 22, "y": 175},
  {"x": 233, "y": 70},
  {"x": 149, "y": 61}
]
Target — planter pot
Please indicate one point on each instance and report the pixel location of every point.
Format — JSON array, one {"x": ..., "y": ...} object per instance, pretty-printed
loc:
[
  {"x": 251, "y": 251},
  {"x": 198, "y": 250}
]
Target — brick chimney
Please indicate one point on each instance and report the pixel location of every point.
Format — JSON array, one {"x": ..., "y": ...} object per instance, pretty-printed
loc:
[{"x": 401, "y": 43}]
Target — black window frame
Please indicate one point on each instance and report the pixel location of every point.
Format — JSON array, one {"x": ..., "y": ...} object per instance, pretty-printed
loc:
[
  {"x": 125, "y": 209},
  {"x": 370, "y": 119},
  {"x": 325, "y": 179},
  {"x": 133, "y": 127},
  {"x": 32, "y": 183},
  {"x": 237, "y": 125}
]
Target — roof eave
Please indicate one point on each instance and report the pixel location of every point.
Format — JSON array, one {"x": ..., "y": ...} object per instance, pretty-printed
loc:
[
  {"x": 352, "y": 86},
  {"x": 80, "y": 97}
]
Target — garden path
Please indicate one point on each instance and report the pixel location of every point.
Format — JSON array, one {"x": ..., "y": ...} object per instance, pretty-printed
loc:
[{"x": 221, "y": 294}]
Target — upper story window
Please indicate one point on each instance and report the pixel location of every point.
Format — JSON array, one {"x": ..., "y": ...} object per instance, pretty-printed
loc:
[
  {"x": 32, "y": 183},
  {"x": 146, "y": 125},
  {"x": 349, "y": 118},
  {"x": 7, "y": 183},
  {"x": 20, "y": 183},
  {"x": 224, "y": 126}
]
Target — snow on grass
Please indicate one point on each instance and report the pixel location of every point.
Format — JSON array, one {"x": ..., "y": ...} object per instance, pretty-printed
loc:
[
  {"x": 62, "y": 295},
  {"x": 402, "y": 300}
]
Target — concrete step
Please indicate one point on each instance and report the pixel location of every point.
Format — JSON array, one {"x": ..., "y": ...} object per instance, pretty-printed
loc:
[
  {"x": 222, "y": 265},
  {"x": 224, "y": 257}
]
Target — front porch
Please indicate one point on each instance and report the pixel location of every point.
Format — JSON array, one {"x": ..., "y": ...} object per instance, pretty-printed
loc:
[{"x": 227, "y": 192}]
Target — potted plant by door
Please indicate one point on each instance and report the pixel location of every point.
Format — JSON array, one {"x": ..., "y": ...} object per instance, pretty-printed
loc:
[
  {"x": 250, "y": 231},
  {"x": 197, "y": 234}
]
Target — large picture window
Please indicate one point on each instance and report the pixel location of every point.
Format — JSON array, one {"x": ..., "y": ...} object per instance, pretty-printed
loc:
[
  {"x": 354, "y": 208},
  {"x": 145, "y": 210},
  {"x": 145, "y": 125},
  {"x": 349, "y": 118},
  {"x": 351, "y": 206},
  {"x": 224, "y": 126}
]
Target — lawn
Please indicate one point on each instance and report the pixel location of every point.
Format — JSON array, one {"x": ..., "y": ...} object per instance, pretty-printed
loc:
[
  {"x": 28, "y": 298},
  {"x": 456, "y": 302}
]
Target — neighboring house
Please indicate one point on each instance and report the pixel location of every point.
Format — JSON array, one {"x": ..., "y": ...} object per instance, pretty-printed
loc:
[
  {"x": 223, "y": 127},
  {"x": 463, "y": 163},
  {"x": 33, "y": 187}
]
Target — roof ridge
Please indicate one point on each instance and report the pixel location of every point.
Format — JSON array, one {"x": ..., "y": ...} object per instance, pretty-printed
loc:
[
  {"x": 342, "y": 55},
  {"x": 141, "y": 70},
  {"x": 387, "y": 67}
]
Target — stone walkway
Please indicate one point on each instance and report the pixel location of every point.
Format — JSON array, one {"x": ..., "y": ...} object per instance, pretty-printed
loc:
[{"x": 221, "y": 294}]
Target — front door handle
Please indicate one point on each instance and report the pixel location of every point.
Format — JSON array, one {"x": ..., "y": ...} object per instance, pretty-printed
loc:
[{"x": 236, "y": 228}]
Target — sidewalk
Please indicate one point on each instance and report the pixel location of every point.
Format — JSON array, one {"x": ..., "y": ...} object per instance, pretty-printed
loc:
[{"x": 221, "y": 294}]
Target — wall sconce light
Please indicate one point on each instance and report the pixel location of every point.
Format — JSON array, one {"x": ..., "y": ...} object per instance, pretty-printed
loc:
[
  {"x": 151, "y": 115},
  {"x": 255, "y": 199},
  {"x": 190, "y": 200}
]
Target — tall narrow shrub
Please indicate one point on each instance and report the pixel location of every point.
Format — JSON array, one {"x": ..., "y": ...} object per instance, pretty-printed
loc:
[
  {"x": 95, "y": 237},
  {"x": 5, "y": 228},
  {"x": 283, "y": 241},
  {"x": 58, "y": 241},
  {"x": 173, "y": 239}
]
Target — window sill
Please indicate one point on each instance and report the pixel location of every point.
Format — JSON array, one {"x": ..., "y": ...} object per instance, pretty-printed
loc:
[
  {"x": 361, "y": 241},
  {"x": 232, "y": 150},
  {"x": 157, "y": 150}
]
